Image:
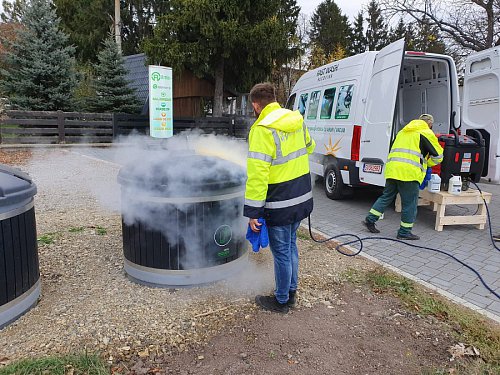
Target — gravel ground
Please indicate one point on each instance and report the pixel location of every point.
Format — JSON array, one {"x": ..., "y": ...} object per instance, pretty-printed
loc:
[{"x": 87, "y": 301}]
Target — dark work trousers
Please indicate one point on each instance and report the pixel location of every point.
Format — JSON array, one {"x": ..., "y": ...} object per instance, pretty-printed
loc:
[{"x": 408, "y": 190}]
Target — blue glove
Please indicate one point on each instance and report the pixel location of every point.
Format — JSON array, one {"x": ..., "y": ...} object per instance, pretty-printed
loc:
[
  {"x": 427, "y": 178},
  {"x": 258, "y": 239}
]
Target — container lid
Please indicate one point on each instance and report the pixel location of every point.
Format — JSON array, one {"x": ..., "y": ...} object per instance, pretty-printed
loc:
[
  {"x": 181, "y": 175},
  {"x": 15, "y": 187}
]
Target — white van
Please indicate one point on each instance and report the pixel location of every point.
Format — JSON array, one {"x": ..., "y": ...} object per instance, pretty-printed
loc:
[
  {"x": 481, "y": 106},
  {"x": 354, "y": 108}
]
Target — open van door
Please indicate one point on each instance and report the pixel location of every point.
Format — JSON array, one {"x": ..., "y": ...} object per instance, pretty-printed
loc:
[{"x": 379, "y": 113}]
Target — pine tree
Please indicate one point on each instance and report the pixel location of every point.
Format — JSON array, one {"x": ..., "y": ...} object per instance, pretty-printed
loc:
[
  {"x": 358, "y": 40},
  {"x": 329, "y": 27},
  {"x": 112, "y": 91},
  {"x": 377, "y": 35},
  {"x": 12, "y": 10},
  {"x": 399, "y": 32},
  {"x": 40, "y": 71},
  {"x": 427, "y": 38}
]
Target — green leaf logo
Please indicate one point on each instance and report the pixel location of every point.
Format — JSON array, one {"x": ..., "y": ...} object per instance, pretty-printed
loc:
[
  {"x": 223, "y": 235},
  {"x": 156, "y": 76}
]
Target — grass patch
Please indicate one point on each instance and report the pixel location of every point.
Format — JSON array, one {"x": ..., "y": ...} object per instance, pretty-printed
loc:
[
  {"x": 468, "y": 326},
  {"x": 76, "y": 229},
  {"x": 303, "y": 234},
  {"x": 46, "y": 239},
  {"x": 88, "y": 364},
  {"x": 101, "y": 231}
]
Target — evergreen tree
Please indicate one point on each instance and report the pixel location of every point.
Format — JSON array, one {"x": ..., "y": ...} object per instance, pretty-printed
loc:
[
  {"x": 403, "y": 30},
  {"x": 329, "y": 27},
  {"x": 235, "y": 42},
  {"x": 427, "y": 38},
  {"x": 358, "y": 40},
  {"x": 138, "y": 18},
  {"x": 12, "y": 10},
  {"x": 40, "y": 71},
  {"x": 87, "y": 22},
  {"x": 377, "y": 35},
  {"x": 112, "y": 93}
]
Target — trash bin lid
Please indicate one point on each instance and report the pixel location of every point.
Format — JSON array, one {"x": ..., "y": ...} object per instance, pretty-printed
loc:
[
  {"x": 183, "y": 175},
  {"x": 15, "y": 188}
]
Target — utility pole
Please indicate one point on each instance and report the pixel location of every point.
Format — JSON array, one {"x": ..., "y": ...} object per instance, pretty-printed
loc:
[{"x": 118, "y": 29}]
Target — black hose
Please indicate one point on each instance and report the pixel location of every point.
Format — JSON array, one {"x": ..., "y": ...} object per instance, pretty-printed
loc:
[{"x": 361, "y": 239}]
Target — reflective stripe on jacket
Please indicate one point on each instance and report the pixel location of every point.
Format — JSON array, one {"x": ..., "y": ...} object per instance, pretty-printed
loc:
[
  {"x": 406, "y": 161},
  {"x": 278, "y": 186}
]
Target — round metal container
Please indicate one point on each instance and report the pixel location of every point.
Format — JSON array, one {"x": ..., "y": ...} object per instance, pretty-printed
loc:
[
  {"x": 19, "y": 268},
  {"x": 182, "y": 219}
]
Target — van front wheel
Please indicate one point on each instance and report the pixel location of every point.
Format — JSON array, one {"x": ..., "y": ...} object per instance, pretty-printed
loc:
[{"x": 334, "y": 186}]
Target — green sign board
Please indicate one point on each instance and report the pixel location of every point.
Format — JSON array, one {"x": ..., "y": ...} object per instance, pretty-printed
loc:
[{"x": 161, "y": 106}]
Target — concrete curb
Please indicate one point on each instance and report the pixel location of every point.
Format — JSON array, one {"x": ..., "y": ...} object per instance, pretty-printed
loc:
[{"x": 426, "y": 284}]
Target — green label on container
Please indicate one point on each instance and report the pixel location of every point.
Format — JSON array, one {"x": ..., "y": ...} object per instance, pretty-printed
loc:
[
  {"x": 223, "y": 254},
  {"x": 223, "y": 235}
]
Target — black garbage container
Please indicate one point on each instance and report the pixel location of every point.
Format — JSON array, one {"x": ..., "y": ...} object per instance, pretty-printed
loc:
[
  {"x": 19, "y": 268},
  {"x": 182, "y": 219}
]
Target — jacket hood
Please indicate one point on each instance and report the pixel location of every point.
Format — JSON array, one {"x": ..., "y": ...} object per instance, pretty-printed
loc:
[
  {"x": 416, "y": 126},
  {"x": 284, "y": 120}
]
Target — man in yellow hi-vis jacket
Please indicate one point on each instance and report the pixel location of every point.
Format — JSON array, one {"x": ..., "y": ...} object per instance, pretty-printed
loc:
[
  {"x": 415, "y": 148},
  {"x": 278, "y": 187}
]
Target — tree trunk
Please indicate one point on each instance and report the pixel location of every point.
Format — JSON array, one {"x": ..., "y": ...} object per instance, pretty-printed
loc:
[{"x": 219, "y": 88}]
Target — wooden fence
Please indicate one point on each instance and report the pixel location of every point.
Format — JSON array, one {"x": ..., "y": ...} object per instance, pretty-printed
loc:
[{"x": 29, "y": 127}]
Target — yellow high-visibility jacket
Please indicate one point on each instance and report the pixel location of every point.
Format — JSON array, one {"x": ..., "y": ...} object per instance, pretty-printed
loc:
[
  {"x": 278, "y": 186},
  {"x": 415, "y": 148}
]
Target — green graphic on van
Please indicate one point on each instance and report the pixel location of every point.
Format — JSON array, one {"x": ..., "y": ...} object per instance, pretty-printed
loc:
[{"x": 223, "y": 235}]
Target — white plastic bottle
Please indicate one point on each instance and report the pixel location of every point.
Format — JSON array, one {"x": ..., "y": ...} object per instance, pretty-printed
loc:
[
  {"x": 434, "y": 184},
  {"x": 455, "y": 185}
]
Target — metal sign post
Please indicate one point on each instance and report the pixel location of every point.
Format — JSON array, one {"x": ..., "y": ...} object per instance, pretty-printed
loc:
[{"x": 160, "y": 102}]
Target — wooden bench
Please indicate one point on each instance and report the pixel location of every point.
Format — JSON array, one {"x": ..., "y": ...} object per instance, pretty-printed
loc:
[{"x": 440, "y": 200}]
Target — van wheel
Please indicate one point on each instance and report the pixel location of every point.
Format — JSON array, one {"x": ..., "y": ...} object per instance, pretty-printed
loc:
[{"x": 334, "y": 186}]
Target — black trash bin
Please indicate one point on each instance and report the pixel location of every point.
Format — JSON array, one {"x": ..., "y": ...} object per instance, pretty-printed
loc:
[
  {"x": 182, "y": 219},
  {"x": 19, "y": 268}
]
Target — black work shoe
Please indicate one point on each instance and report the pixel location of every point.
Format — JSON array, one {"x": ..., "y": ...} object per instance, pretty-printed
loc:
[
  {"x": 370, "y": 226},
  {"x": 409, "y": 236},
  {"x": 270, "y": 303},
  {"x": 292, "y": 298}
]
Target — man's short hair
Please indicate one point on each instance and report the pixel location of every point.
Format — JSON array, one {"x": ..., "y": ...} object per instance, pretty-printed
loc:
[
  {"x": 263, "y": 94},
  {"x": 427, "y": 118}
]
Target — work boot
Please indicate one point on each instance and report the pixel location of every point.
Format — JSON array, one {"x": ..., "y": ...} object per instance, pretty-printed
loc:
[
  {"x": 270, "y": 303},
  {"x": 370, "y": 226},
  {"x": 409, "y": 236},
  {"x": 292, "y": 298}
]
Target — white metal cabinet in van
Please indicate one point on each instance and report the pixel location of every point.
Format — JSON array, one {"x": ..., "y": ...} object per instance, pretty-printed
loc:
[
  {"x": 354, "y": 108},
  {"x": 481, "y": 106}
]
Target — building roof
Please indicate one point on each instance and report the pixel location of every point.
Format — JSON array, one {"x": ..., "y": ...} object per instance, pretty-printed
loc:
[{"x": 137, "y": 75}]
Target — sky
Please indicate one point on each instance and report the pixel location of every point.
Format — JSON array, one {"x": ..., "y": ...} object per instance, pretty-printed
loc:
[{"x": 349, "y": 7}]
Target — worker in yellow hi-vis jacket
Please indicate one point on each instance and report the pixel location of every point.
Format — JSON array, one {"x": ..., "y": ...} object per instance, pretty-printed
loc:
[
  {"x": 415, "y": 148},
  {"x": 278, "y": 187}
]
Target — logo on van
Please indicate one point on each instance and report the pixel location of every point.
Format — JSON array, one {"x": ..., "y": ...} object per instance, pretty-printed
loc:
[
  {"x": 327, "y": 70},
  {"x": 332, "y": 149}
]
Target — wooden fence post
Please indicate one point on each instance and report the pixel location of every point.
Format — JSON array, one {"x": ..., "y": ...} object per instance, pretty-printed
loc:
[
  {"x": 114, "y": 120},
  {"x": 60, "y": 126}
]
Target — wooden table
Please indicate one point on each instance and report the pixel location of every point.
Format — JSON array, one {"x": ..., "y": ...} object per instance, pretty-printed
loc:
[{"x": 441, "y": 199}]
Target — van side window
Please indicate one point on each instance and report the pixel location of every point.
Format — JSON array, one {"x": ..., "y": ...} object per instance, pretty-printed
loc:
[
  {"x": 484, "y": 64},
  {"x": 291, "y": 102},
  {"x": 312, "y": 112},
  {"x": 303, "y": 104},
  {"x": 327, "y": 104},
  {"x": 344, "y": 101}
]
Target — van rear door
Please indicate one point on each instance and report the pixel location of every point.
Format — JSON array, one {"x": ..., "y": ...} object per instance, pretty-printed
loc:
[{"x": 379, "y": 113}]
